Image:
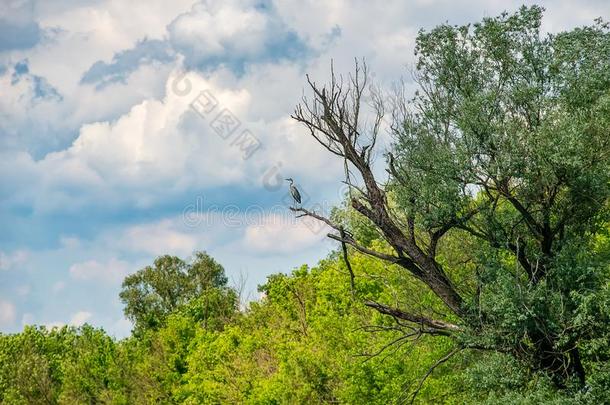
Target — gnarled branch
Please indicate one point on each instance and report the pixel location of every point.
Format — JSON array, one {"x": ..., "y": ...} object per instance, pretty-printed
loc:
[
  {"x": 332, "y": 116},
  {"x": 441, "y": 327}
]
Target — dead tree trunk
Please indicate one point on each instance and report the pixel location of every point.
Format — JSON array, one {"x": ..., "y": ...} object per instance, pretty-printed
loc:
[{"x": 332, "y": 117}]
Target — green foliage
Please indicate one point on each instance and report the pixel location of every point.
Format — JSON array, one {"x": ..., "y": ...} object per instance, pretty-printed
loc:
[
  {"x": 153, "y": 293},
  {"x": 507, "y": 143},
  {"x": 502, "y": 104},
  {"x": 62, "y": 365},
  {"x": 304, "y": 342},
  {"x": 307, "y": 340}
]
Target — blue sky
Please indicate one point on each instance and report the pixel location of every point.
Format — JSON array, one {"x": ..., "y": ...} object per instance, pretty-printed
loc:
[{"x": 134, "y": 129}]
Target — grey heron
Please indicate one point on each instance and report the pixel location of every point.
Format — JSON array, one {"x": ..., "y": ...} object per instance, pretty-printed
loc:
[{"x": 294, "y": 191}]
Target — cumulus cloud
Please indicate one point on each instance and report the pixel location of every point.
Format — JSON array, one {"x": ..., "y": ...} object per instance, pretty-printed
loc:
[
  {"x": 98, "y": 140},
  {"x": 164, "y": 237},
  {"x": 155, "y": 145},
  {"x": 79, "y": 318},
  {"x": 113, "y": 270},
  {"x": 54, "y": 325},
  {"x": 127, "y": 61},
  {"x": 278, "y": 234},
  {"x": 12, "y": 260},
  {"x": 234, "y": 34},
  {"x": 150, "y": 152},
  {"x": 7, "y": 313},
  {"x": 38, "y": 116},
  {"x": 18, "y": 29},
  {"x": 162, "y": 148},
  {"x": 78, "y": 35}
]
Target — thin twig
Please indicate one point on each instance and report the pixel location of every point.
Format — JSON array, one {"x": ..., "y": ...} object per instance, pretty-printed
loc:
[{"x": 435, "y": 365}]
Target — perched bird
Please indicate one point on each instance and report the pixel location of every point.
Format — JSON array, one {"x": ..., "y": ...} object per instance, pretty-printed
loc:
[{"x": 294, "y": 191}]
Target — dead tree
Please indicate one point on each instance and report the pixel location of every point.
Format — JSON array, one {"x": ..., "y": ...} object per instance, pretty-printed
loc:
[{"x": 333, "y": 118}]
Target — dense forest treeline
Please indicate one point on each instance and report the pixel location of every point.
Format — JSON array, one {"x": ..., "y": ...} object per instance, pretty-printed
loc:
[
  {"x": 309, "y": 339},
  {"x": 478, "y": 272}
]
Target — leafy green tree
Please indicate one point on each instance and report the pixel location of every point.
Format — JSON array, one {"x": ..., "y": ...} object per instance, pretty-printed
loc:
[
  {"x": 154, "y": 292},
  {"x": 30, "y": 366},
  {"x": 60, "y": 366},
  {"x": 487, "y": 251},
  {"x": 309, "y": 341},
  {"x": 505, "y": 147},
  {"x": 91, "y": 372}
]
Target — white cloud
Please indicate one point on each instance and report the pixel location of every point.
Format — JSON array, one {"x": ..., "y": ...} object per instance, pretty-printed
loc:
[
  {"x": 54, "y": 325},
  {"x": 12, "y": 260},
  {"x": 112, "y": 271},
  {"x": 7, "y": 313},
  {"x": 136, "y": 145},
  {"x": 163, "y": 237},
  {"x": 163, "y": 148},
  {"x": 69, "y": 242},
  {"x": 76, "y": 37},
  {"x": 215, "y": 28},
  {"x": 278, "y": 234},
  {"x": 96, "y": 31},
  {"x": 80, "y": 318},
  {"x": 58, "y": 286},
  {"x": 120, "y": 328},
  {"x": 27, "y": 319},
  {"x": 158, "y": 147}
]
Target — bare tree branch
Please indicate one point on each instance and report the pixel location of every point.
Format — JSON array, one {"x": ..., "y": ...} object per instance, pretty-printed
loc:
[
  {"x": 347, "y": 263},
  {"x": 435, "y": 365},
  {"x": 440, "y": 326},
  {"x": 349, "y": 239},
  {"x": 332, "y": 117}
]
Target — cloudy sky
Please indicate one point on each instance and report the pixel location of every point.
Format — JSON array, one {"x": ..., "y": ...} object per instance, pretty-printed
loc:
[{"x": 134, "y": 129}]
